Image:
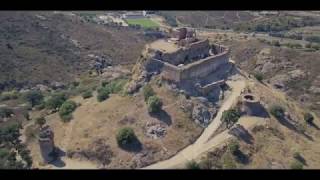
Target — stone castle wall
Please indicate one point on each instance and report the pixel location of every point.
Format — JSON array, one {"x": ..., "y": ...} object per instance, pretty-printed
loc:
[
  {"x": 191, "y": 51},
  {"x": 197, "y": 69}
]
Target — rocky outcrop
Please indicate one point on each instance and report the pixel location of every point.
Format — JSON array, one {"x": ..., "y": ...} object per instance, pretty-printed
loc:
[{"x": 202, "y": 115}]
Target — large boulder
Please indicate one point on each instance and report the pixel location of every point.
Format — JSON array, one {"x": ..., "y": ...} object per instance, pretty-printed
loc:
[{"x": 201, "y": 115}]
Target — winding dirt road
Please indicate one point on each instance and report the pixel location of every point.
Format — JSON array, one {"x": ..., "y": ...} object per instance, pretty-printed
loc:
[{"x": 202, "y": 144}]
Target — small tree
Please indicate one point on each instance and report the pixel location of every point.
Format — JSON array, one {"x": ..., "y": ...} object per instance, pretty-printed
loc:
[
  {"x": 5, "y": 112},
  {"x": 154, "y": 104},
  {"x": 103, "y": 94},
  {"x": 230, "y": 116},
  {"x": 147, "y": 92},
  {"x": 233, "y": 147},
  {"x": 40, "y": 121},
  {"x": 55, "y": 101},
  {"x": 33, "y": 97},
  {"x": 66, "y": 109},
  {"x": 192, "y": 165},
  {"x": 258, "y": 76},
  {"x": 308, "y": 117},
  {"x": 125, "y": 136},
  {"x": 277, "y": 111},
  {"x": 87, "y": 94}
]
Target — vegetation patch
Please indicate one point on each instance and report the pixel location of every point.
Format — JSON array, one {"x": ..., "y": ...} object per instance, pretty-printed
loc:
[
  {"x": 230, "y": 117},
  {"x": 66, "y": 110},
  {"x": 143, "y": 22},
  {"x": 154, "y": 104},
  {"x": 55, "y": 101},
  {"x": 192, "y": 165},
  {"x": 87, "y": 94},
  {"x": 277, "y": 111},
  {"x": 33, "y": 97},
  {"x": 125, "y": 136}
]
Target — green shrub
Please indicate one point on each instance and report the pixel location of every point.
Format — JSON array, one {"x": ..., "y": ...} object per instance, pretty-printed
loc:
[
  {"x": 5, "y": 112},
  {"x": 116, "y": 86},
  {"x": 277, "y": 111},
  {"x": 296, "y": 155},
  {"x": 66, "y": 117},
  {"x": 258, "y": 76},
  {"x": 9, "y": 95},
  {"x": 275, "y": 43},
  {"x": 87, "y": 94},
  {"x": 230, "y": 116},
  {"x": 40, "y": 121},
  {"x": 66, "y": 109},
  {"x": 75, "y": 83},
  {"x": 308, "y": 117},
  {"x": 40, "y": 106},
  {"x": 192, "y": 165},
  {"x": 228, "y": 162},
  {"x": 154, "y": 104},
  {"x": 104, "y": 83},
  {"x": 103, "y": 94},
  {"x": 296, "y": 165},
  {"x": 125, "y": 136},
  {"x": 33, "y": 97},
  {"x": 233, "y": 147},
  {"x": 55, "y": 101},
  {"x": 147, "y": 92}
]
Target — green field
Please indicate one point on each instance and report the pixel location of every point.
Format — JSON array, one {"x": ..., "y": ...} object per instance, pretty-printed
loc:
[{"x": 143, "y": 22}]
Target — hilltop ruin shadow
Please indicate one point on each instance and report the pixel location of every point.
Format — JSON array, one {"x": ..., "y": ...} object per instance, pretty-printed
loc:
[
  {"x": 162, "y": 116},
  {"x": 286, "y": 122},
  {"x": 241, "y": 157},
  {"x": 135, "y": 146},
  {"x": 57, "y": 158},
  {"x": 242, "y": 134}
]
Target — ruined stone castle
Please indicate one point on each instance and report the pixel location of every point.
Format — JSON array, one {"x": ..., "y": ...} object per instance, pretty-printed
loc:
[{"x": 194, "y": 64}]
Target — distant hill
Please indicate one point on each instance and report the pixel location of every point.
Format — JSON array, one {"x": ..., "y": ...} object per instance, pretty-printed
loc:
[{"x": 37, "y": 47}]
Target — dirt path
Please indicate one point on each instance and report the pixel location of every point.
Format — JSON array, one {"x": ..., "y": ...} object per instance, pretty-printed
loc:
[{"x": 202, "y": 144}]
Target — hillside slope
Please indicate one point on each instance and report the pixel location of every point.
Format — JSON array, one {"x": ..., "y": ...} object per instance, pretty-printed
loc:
[{"x": 37, "y": 47}]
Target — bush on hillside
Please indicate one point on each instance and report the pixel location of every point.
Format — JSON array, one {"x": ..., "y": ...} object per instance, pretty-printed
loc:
[
  {"x": 55, "y": 101},
  {"x": 277, "y": 111},
  {"x": 233, "y": 147},
  {"x": 192, "y": 165},
  {"x": 296, "y": 165},
  {"x": 66, "y": 110},
  {"x": 9, "y": 95},
  {"x": 258, "y": 76},
  {"x": 103, "y": 94},
  {"x": 86, "y": 94},
  {"x": 154, "y": 104},
  {"x": 33, "y": 97},
  {"x": 5, "y": 112},
  {"x": 40, "y": 121},
  {"x": 125, "y": 136},
  {"x": 308, "y": 117},
  {"x": 147, "y": 92},
  {"x": 230, "y": 117}
]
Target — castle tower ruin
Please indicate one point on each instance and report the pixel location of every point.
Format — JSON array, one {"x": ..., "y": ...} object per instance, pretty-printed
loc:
[
  {"x": 46, "y": 143},
  {"x": 251, "y": 105}
]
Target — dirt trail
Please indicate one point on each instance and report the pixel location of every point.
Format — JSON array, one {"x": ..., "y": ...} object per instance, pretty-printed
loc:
[{"x": 202, "y": 144}]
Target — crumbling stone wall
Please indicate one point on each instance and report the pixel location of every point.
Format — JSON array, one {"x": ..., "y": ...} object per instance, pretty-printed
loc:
[{"x": 196, "y": 50}]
